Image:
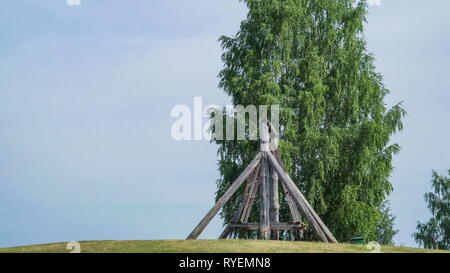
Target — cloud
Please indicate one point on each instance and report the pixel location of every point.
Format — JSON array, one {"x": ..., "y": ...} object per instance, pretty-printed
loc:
[
  {"x": 73, "y": 2},
  {"x": 374, "y": 2}
]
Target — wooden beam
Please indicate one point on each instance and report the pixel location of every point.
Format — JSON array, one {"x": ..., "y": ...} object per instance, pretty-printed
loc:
[
  {"x": 253, "y": 191},
  {"x": 276, "y": 226},
  {"x": 321, "y": 223},
  {"x": 244, "y": 203},
  {"x": 225, "y": 197},
  {"x": 226, "y": 232},
  {"x": 324, "y": 228},
  {"x": 265, "y": 198},
  {"x": 295, "y": 193},
  {"x": 291, "y": 204}
]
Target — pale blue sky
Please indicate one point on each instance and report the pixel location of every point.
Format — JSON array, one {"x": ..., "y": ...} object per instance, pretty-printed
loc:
[{"x": 85, "y": 99}]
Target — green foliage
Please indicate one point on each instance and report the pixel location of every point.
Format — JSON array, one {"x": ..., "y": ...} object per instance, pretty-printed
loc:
[
  {"x": 435, "y": 234},
  {"x": 385, "y": 227},
  {"x": 310, "y": 58}
]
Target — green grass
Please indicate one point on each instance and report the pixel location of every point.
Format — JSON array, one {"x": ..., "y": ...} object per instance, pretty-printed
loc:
[{"x": 208, "y": 246}]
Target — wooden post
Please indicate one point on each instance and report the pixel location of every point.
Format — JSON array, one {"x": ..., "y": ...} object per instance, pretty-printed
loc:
[
  {"x": 274, "y": 192},
  {"x": 225, "y": 197},
  {"x": 265, "y": 199},
  {"x": 274, "y": 203}
]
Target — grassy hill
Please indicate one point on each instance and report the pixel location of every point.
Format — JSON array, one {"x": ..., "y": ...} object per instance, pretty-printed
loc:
[{"x": 208, "y": 246}]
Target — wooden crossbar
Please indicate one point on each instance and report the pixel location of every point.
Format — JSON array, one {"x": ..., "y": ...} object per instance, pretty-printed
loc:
[{"x": 276, "y": 226}]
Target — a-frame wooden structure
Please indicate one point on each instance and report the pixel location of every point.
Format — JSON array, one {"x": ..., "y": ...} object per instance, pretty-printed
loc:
[{"x": 263, "y": 175}]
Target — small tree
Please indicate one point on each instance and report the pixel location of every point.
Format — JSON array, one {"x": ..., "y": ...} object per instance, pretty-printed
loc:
[{"x": 435, "y": 234}]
